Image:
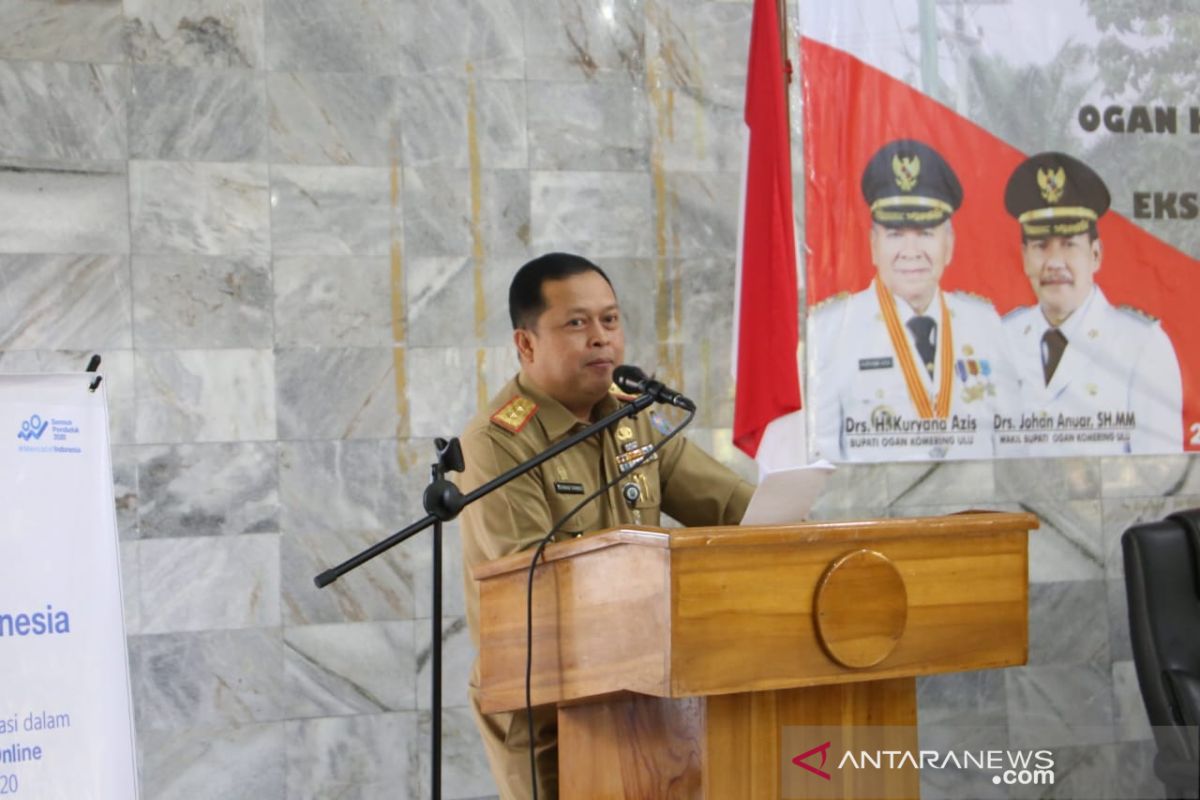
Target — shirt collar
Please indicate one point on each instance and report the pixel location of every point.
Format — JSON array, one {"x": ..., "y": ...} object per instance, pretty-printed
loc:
[
  {"x": 905, "y": 312},
  {"x": 1071, "y": 325}
]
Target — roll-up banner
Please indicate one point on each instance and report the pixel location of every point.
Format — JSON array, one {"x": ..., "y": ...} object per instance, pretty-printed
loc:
[{"x": 66, "y": 724}]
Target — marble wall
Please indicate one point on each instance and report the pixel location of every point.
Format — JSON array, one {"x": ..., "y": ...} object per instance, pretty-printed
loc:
[{"x": 288, "y": 226}]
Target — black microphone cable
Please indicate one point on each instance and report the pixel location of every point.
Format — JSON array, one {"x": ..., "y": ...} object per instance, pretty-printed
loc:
[{"x": 634, "y": 466}]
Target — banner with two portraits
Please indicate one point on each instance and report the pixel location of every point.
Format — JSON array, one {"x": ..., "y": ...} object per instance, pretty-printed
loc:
[{"x": 1000, "y": 236}]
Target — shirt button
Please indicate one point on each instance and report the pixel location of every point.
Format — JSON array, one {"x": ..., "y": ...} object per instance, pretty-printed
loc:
[{"x": 579, "y": 535}]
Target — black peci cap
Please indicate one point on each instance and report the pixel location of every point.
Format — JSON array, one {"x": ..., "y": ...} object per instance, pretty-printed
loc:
[
  {"x": 907, "y": 184},
  {"x": 1053, "y": 194}
]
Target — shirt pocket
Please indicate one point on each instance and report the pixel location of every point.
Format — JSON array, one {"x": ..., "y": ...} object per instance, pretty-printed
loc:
[{"x": 584, "y": 520}]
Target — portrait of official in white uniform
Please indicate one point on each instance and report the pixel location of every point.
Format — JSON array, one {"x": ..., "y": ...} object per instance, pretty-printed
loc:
[
  {"x": 1095, "y": 379},
  {"x": 903, "y": 369}
]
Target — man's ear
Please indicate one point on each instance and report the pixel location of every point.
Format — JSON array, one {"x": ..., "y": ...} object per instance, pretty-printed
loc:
[
  {"x": 1097, "y": 254},
  {"x": 523, "y": 339}
]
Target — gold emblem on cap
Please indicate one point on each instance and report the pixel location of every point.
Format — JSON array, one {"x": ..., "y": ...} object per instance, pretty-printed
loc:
[
  {"x": 906, "y": 171},
  {"x": 1052, "y": 184},
  {"x": 968, "y": 350}
]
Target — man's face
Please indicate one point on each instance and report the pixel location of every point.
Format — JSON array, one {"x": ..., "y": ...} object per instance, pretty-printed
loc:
[
  {"x": 1062, "y": 271},
  {"x": 577, "y": 342},
  {"x": 911, "y": 260}
]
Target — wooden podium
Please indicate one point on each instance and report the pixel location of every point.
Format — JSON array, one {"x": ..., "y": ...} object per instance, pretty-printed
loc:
[{"x": 677, "y": 658}]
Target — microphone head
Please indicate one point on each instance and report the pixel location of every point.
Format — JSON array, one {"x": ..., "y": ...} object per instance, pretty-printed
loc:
[{"x": 629, "y": 378}]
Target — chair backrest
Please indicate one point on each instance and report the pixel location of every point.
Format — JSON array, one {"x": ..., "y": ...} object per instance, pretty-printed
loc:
[{"x": 1162, "y": 584}]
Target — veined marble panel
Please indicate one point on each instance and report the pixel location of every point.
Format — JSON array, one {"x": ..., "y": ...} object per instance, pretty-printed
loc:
[
  {"x": 363, "y": 668},
  {"x": 635, "y": 282},
  {"x": 364, "y": 757},
  {"x": 436, "y": 407},
  {"x": 592, "y": 126},
  {"x": 437, "y": 130},
  {"x": 444, "y": 309},
  {"x": 1123, "y": 513},
  {"x": 963, "y": 699},
  {"x": 46, "y": 30},
  {"x": 458, "y": 656},
  {"x": 1052, "y": 706},
  {"x": 188, "y": 301},
  {"x": 964, "y": 483},
  {"x": 246, "y": 762},
  {"x": 116, "y": 369},
  {"x": 1045, "y": 481},
  {"x": 206, "y": 679},
  {"x": 580, "y": 39},
  {"x": 465, "y": 772},
  {"x": 439, "y": 38},
  {"x": 180, "y": 113},
  {"x": 380, "y": 590},
  {"x": 125, "y": 491},
  {"x": 452, "y": 574},
  {"x": 336, "y": 393},
  {"x": 196, "y": 33},
  {"x": 206, "y": 583},
  {"x": 438, "y": 218},
  {"x": 698, "y": 43},
  {"x": 601, "y": 214},
  {"x": 500, "y": 364},
  {"x": 55, "y": 110},
  {"x": 1149, "y": 476},
  {"x": 207, "y": 490},
  {"x": 701, "y": 128},
  {"x": 131, "y": 591},
  {"x": 1133, "y": 724},
  {"x": 191, "y": 207},
  {"x": 1068, "y": 623},
  {"x": 1070, "y": 544},
  {"x": 334, "y": 35},
  {"x": 854, "y": 491},
  {"x": 701, "y": 216},
  {"x": 324, "y": 301},
  {"x": 338, "y": 485},
  {"x": 334, "y": 118},
  {"x": 333, "y": 211},
  {"x": 65, "y": 302},
  {"x": 185, "y": 396},
  {"x": 53, "y": 207}
]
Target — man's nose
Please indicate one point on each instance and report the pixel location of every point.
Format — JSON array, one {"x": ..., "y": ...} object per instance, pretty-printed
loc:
[{"x": 598, "y": 335}]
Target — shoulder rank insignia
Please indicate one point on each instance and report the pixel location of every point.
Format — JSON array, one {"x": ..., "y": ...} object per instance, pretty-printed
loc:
[
  {"x": 828, "y": 301},
  {"x": 618, "y": 393},
  {"x": 513, "y": 415},
  {"x": 978, "y": 298},
  {"x": 1137, "y": 312}
]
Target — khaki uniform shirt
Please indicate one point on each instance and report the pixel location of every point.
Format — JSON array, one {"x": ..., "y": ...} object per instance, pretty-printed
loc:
[{"x": 681, "y": 480}]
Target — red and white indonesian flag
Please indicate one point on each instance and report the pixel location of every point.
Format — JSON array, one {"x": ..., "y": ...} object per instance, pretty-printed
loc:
[{"x": 767, "y": 421}]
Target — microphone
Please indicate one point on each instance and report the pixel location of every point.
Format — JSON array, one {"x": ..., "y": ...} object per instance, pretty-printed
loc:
[{"x": 632, "y": 380}]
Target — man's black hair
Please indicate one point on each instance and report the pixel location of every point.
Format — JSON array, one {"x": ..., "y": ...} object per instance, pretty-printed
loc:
[{"x": 525, "y": 299}]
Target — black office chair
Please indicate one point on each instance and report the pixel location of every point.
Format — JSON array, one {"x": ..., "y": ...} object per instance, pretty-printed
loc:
[{"x": 1162, "y": 583}]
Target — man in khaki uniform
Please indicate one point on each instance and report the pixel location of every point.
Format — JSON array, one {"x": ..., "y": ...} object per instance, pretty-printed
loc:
[{"x": 568, "y": 332}]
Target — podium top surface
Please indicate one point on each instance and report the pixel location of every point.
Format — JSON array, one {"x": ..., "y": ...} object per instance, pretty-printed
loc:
[{"x": 964, "y": 524}]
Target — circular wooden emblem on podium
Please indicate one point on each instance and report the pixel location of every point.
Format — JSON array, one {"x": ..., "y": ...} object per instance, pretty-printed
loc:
[{"x": 861, "y": 608}]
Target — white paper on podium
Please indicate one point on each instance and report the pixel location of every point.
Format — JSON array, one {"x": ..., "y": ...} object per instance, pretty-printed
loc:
[{"x": 787, "y": 495}]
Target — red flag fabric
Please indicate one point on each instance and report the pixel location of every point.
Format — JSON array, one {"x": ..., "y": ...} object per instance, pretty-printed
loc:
[{"x": 768, "y": 329}]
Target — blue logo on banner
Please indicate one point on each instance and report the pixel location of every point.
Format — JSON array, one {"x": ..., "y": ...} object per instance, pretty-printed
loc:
[{"x": 33, "y": 428}]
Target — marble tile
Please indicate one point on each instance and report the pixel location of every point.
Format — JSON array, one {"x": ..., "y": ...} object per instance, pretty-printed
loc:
[
  {"x": 1069, "y": 545},
  {"x": 131, "y": 592},
  {"x": 452, "y": 574},
  {"x": 964, "y": 699},
  {"x": 592, "y": 126},
  {"x": 1149, "y": 476},
  {"x": 445, "y": 307},
  {"x": 1134, "y": 777},
  {"x": 701, "y": 216},
  {"x": 965, "y": 483},
  {"x": 187, "y": 114},
  {"x": 363, "y": 668},
  {"x": 246, "y": 762},
  {"x": 1068, "y": 623},
  {"x": 439, "y": 38},
  {"x": 434, "y": 410},
  {"x": 54, "y": 207},
  {"x": 125, "y": 490},
  {"x": 701, "y": 128},
  {"x": 208, "y": 209},
  {"x": 324, "y": 301},
  {"x": 499, "y": 366},
  {"x": 603, "y": 214},
  {"x": 447, "y": 120},
  {"x": 365, "y": 757},
  {"x": 1121, "y": 514},
  {"x": 183, "y": 396},
  {"x": 334, "y": 35},
  {"x": 458, "y": 656},
  {"x": 1051, "y": 706},
  {"x": 196, "y": 33},
  {"x": 206, "y": 679},
  {"x": 196, "y": 584},
  {"x": 358, "y": 400},
  {"x": 330, "y": 118},
  {"x": 578, "y": 39},
  {"x": 465, "y": 772},
  {"x": 854, "y": 491},
  {"x": 62, "y": 111},
  {"x": 65, "y": 302},
  {"x": 960, "y": 735},
  {"x": 207, "y": 490},
  {"x": 1046, "y": 481},
  {"x": 379, "y": 591},
  {"x": 1119, "y": 639},
  {"x": 333, "y": 211},
  {"x": 698, "y": 43},
  {"x": 188, "y": 301},
  {"x": 45, "y": 30},
  {"x": 1132, "y": 722},
  {"x": 438, "y": 218}
]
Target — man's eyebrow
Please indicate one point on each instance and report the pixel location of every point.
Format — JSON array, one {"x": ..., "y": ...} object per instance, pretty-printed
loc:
[{"x": 582, "y": 310}]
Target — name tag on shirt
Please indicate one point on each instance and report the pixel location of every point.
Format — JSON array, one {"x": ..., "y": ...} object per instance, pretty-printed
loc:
[
  {"x": 883, "y": 362},
  {"x": 563, "y": 487}
]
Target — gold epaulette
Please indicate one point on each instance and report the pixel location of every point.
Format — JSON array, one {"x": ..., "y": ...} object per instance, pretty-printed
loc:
[
  {"x": 620, "y": 394},
  {"x": 513, "y": 415},
  {"x": 1137, "y": 312},
  {"x": 828, "y": 300}
]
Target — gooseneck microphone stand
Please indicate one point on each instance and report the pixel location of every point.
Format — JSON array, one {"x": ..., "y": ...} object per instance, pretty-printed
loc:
[{"x": 443, "y": 501}]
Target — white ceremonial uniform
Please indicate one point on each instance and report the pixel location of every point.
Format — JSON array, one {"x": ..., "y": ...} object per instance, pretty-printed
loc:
[
  {"x": 859, "y": 385},
  {"x": 1116, "y": 362}
]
